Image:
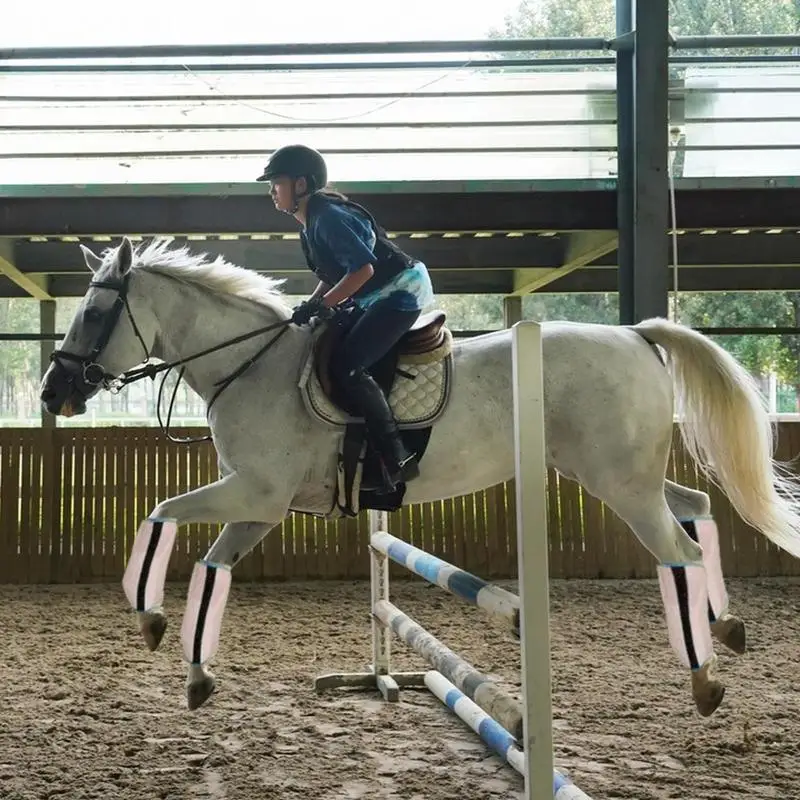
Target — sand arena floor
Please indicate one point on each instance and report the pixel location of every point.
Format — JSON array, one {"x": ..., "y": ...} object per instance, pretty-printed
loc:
[{"x": 88, "y": 712}]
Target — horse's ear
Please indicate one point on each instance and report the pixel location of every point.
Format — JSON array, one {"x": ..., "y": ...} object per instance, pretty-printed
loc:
[
  {"x": 93, "y": 262},
  {"x": 125, "y": 256}
]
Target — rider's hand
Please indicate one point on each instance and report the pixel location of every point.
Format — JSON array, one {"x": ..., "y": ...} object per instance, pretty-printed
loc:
[{"x": 302, "y": 314}]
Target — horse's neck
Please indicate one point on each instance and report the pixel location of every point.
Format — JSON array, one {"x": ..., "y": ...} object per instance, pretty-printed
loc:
[{"x": 192, "y": 319}]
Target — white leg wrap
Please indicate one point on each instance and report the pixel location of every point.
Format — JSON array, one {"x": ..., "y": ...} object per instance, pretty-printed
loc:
[
  {"x": 685, "y": 596},
  {"x": 205, "y": 605},
  {"x": 704, "y": 531},
  {"x": 146, "y": 571}
]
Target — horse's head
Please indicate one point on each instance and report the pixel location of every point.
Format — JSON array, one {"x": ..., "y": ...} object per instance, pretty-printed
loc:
[{"x": 104, "y": 338}]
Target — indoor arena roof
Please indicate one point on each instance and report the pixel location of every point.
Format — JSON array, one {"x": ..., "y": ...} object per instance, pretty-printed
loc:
[{"x": 503, "y": 180}]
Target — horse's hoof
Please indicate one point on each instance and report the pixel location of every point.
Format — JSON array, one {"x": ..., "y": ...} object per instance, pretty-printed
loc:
[
  {"x": 198, "y": 692},
  {"x": 730, "y": 631},
  {"x": 707, "y": 691},
  {"x": 711, "y": 700},
  {"x": 153, "y": 629}
]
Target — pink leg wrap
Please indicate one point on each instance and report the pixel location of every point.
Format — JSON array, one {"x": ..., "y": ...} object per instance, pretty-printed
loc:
[
  {"x": 706, "y": 535},
  {"x": 205, "y": 605},
  {"x": 143, "y": 581},
  {"x": 685, "y": 596}
]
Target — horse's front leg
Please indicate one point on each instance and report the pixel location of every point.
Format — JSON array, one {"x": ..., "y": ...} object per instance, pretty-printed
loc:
[
  {"x": 229, "y": 499},
  {"x": 208, "y": 593}
]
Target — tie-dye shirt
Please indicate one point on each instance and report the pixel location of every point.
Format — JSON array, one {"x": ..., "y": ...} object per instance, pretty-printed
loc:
[{"x": 351, "y": 240}]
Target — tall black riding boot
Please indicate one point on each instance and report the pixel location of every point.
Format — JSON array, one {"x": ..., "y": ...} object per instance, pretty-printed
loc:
[{"x": 399, "y": 463}]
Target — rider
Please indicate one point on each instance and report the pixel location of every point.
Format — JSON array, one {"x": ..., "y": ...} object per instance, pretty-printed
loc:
[{"x": 354, "y": 260}]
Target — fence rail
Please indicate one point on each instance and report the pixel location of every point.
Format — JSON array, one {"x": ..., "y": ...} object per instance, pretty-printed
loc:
[{"x": 72, "y": 498}]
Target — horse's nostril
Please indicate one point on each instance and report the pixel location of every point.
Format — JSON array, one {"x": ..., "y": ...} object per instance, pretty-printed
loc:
[{"x": 47, "y": 394}]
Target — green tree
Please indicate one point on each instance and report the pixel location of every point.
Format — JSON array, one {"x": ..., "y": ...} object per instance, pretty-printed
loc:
[
  {"x": 759, "y": 354},
  {"x": 602, "y": 308},
  {"x": 19, "y": 361},
  {"x": 730, "y": 17},
  {"x": 556, "y": 18}
]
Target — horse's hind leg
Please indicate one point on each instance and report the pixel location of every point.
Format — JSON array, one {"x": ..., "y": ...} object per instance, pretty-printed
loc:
[
  {"x": 693, "y": 510},
  {"x": 682, "y": 582}
]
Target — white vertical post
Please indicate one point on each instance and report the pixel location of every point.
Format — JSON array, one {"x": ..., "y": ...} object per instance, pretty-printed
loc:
[
  {"x": 379, "y": 590},
  {"x": 532, "y": 559}
]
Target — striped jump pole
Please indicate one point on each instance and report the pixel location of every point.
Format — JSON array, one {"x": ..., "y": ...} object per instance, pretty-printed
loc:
[
  {"x": 493, "y": 599},
  {"x": 494, "y": 735},
  {"x": 483, "y": 691}
]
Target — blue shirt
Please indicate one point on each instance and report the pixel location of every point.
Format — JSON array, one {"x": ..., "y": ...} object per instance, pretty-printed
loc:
[{"x": 350, "y": 239}]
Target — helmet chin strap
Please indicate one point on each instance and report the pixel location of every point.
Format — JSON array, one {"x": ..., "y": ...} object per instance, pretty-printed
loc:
[{"x": 296, "y": 198}]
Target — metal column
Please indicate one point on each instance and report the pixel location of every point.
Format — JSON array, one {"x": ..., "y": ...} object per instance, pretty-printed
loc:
[
  {"x": 642, "y": 139},
  {"x": 47, "y": 325},
  {"x": 512, "y": 310},
  {"x": 625, "y": 156}
]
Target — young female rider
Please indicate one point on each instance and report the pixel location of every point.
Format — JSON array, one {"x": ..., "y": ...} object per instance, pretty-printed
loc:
[{"x": 353, "y": 258}]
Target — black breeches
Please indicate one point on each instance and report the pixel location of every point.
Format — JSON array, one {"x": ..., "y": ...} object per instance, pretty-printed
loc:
[{"x": 376, "y": 331}]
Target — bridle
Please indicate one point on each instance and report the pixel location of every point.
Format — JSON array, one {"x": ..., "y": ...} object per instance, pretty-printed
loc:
[{"x": 93, "y": 375}]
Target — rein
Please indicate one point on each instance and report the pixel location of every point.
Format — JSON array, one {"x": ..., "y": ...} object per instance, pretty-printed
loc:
[{"x": 151, "y": 370}]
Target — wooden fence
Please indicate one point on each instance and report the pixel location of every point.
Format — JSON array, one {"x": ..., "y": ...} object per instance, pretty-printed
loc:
[{"x": 71, "y": 500}]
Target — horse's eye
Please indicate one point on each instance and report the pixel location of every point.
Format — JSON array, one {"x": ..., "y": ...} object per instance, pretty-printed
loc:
[{"x": 92, "y": 315}]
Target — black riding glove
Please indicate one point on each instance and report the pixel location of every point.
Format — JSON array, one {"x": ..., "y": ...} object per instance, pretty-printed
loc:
[
  {"x": 308, "y": 309},
  {"x": 302, "y": 314}
]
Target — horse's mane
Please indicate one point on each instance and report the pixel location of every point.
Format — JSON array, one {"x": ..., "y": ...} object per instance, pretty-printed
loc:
[{"x": 217, "y": 275}]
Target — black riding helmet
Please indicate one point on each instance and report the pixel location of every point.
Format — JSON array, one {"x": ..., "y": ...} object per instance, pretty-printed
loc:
[{"x": 297, "y": 161}]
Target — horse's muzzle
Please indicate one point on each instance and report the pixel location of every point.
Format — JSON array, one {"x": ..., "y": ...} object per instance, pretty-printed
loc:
[
  {"x": 59, "y": 393},
  {"x": 66, "y": 406}
]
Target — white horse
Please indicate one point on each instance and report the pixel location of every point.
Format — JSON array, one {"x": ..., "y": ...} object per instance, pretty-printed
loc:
[{"x": 608, "y": 415}]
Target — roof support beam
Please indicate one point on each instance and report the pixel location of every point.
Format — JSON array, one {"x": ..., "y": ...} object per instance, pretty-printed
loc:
[
  {"x": 582, "y": 248},
  {"x": 35, "y": 287}
]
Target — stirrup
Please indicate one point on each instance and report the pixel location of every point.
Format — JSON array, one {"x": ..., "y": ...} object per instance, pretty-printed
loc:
[{"x": 408, "y": 470}]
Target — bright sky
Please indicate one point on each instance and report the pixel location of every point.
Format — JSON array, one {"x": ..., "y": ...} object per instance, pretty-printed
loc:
[{"x": 99, "y": 22}]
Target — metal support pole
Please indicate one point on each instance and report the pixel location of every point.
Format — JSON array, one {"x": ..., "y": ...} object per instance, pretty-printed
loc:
[
  {"x": 643, "y": 147},
  {"x": 626, "y": 152},
  {"x": 651, "y": 178},
  {"x": 512, "y": 310},
  {"x": 47, "y": 326},
  {"x": 283, "y": 49},
  {"x": 736, "y": 41}
]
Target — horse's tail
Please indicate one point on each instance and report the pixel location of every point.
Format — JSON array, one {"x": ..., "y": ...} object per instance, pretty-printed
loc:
[{"x": 727, "y": 430}]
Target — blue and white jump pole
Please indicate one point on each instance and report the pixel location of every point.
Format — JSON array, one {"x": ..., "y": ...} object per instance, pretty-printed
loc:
[
  {"x": 494, "y": 735},
  {"x": 493, "y": 599}
]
